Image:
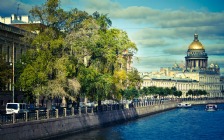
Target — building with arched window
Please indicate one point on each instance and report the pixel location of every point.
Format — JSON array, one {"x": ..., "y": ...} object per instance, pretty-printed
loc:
[{"x": 195, "y": 74}]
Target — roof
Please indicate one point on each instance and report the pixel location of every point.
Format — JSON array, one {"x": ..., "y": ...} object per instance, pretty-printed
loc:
[
  {"x": 17, "y": 22},
  {"x": 196, "y": 44}
]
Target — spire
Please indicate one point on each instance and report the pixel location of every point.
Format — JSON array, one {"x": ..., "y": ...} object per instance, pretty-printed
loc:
[{"x": 196, "y": 37}]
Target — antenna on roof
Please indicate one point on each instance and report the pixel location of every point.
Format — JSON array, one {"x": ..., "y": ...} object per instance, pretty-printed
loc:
[{"x": 17, "y": 9}]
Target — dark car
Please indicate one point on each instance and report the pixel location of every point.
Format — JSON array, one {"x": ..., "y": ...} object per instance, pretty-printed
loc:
[{"x": 31, "y": 108}]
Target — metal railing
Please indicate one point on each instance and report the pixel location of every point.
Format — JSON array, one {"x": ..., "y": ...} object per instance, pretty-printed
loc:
[{"x": 64, "y": 112}]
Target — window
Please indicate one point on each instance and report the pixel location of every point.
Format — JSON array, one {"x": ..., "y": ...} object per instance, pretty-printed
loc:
[
  {"x": 12, "y": 106},
  {"x": 15, "y": 55},
  {"x": 7, "y": 54},
  {"x": 1, "y": 49}
]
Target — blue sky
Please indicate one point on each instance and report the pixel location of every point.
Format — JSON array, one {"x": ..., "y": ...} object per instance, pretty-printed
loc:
[{"x": 161, "y": 29}]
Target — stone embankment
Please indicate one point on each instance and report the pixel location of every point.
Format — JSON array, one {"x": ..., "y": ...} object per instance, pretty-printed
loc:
[
  {"x": 58, "y": 126},
  {"x": 76, "y": 123},
  {"x": 198, "y": 102}
]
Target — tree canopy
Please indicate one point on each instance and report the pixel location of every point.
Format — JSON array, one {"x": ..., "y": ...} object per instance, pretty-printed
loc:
[
  {"x": 196, "y": 92},
  {"x": 5, "y": 73},
  {"x": 77, "y": 54}
]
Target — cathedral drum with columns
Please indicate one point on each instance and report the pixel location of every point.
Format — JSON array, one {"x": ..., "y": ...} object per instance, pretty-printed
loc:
[
  {"x": 196, "y": 57},
  {"x": 196, "y": 74}
]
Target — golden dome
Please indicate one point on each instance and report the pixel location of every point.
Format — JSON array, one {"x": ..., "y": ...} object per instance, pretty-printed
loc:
[{"x": 196, "y": 44}]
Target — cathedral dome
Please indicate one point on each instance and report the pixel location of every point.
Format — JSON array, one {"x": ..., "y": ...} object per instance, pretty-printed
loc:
[{"x": 196, "y": 44}]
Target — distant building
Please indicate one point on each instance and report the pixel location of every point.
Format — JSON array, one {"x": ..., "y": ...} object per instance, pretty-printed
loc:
[
  {"x": 194, "y": 74},
  {"x": 23, "y": 22},
  {"x": 127, "y": 55},
  {"x": 11, "y": 30},
  {"x": 15, "y": 19}
]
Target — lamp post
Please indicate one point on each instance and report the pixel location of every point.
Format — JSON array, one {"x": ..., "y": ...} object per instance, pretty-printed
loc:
[{"x": 13, "y": 69}]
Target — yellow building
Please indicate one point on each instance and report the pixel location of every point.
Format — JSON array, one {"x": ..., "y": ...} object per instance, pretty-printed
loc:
[{"x": 195, "y": 74}]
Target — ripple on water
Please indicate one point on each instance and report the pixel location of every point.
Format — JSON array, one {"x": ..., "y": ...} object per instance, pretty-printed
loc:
[{"x": 178, "y": 124}]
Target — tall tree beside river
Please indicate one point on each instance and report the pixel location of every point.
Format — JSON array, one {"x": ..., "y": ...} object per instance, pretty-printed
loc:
[{"x": 75, "y": 51}]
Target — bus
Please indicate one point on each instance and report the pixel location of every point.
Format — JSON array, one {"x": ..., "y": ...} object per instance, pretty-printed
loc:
[{"x": 16, "y": 108}]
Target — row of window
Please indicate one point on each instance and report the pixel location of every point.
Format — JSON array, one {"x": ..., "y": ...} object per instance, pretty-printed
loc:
[
  {"x": 210, "y": 79},
  {"x": 197, "y": 53},
  {"x": 7, "y": 52},
  {"x": 183, "y": 86}
]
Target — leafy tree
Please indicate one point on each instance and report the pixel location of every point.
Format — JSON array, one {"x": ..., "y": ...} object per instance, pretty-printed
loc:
[
  {"x": 196, "y": 92},
  {"x": 102, "y": 52},
  {"x": 131, "y": 93},
  {"x": 152, "y": 90},
  {"x": 5, "y": 73},
  {"x": 204, "y": 92},
  {"x": 77, "y": 50},
  {"x": 161, "y": 92},
  {"x": 145, "y": 90},
  {"x": 47, "y": 69},
  {"x": 189, "y": 92},
  {"x": 178, "y": 93},
  {"x": 134, "y": 79},
  {"x": 102, "y": 20}
]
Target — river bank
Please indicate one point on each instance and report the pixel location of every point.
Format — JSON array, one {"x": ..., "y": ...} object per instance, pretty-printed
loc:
[
  {"x": 73, "y": 124},
  {"x": 58, "y": 126}
]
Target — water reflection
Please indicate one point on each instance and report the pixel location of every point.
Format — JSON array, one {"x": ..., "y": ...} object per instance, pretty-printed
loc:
[
  {"x": 186, "y": 124},
  {"x": 99, "y": 134}
]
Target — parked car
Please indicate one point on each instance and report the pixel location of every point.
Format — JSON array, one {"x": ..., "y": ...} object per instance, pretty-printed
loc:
[
  {"x": 91, "y": 104},
  {"x": 41, "y": 108},
  {"x": 82, "y": 104},
  {"x": 31, "y": 107},
  {"x": 16, "y": 108}
]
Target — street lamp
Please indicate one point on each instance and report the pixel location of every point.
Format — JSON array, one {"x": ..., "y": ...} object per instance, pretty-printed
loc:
[{"x": 13, "y": 69}]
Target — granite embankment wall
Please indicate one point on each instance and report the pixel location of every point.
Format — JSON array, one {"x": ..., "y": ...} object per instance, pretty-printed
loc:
[
  {"x": 197, "y": 102},
  {"x": 58, "y": 126}
]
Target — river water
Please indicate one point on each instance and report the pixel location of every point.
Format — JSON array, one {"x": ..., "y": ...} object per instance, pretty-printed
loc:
[{"x": 179, "y": 124}]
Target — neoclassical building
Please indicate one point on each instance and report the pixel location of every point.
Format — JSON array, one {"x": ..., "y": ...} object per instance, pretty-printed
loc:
[
  {"x": 194, "y": 74},
  {"x": 196, "y": 56},
  {"x": 11, "y": 49}
]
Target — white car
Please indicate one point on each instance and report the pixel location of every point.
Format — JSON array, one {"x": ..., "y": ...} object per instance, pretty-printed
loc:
[{"x": 16, "y": 108}]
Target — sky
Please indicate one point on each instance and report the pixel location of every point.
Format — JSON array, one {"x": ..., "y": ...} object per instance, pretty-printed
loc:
[{"x": 161, "y": 29}]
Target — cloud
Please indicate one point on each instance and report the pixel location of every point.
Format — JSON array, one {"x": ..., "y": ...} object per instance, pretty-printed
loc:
[
  {"x": 68, "y": 4},
  {"x": 10, "y": 7},
  {"x": 176, "y": 50},
  {"x": 102, "y": 6},
  {"x": 159, "y": 18},
  {"x": 162, "y": 36},
  {"x": 154, "y": 63},
  {"x": 176, "y": 40},
  {"x": 215, "y": 49},
  {"x": 151, "y": 43},
  {"x": 139, "y": 14}
]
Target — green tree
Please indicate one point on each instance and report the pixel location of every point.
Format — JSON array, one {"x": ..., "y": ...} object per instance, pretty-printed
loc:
[
  {"x": 77, "y": 50},
  {"x": 5, "y": 73},
  {"x": 189, "y": 92},
  {"x": 178, "y": 93},
  {"x": 131, "y": 93},
  {"x": 152, "y": 91},
  {"x": 134, "y": 79},
  {"x": 102, "y": 52},
  {"x": 47, "y": 69}
]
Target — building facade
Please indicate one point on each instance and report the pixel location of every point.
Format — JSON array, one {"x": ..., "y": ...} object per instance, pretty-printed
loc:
[
  {"x": 195, "y": 74},
  {"x": 11, "y": 49}
]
